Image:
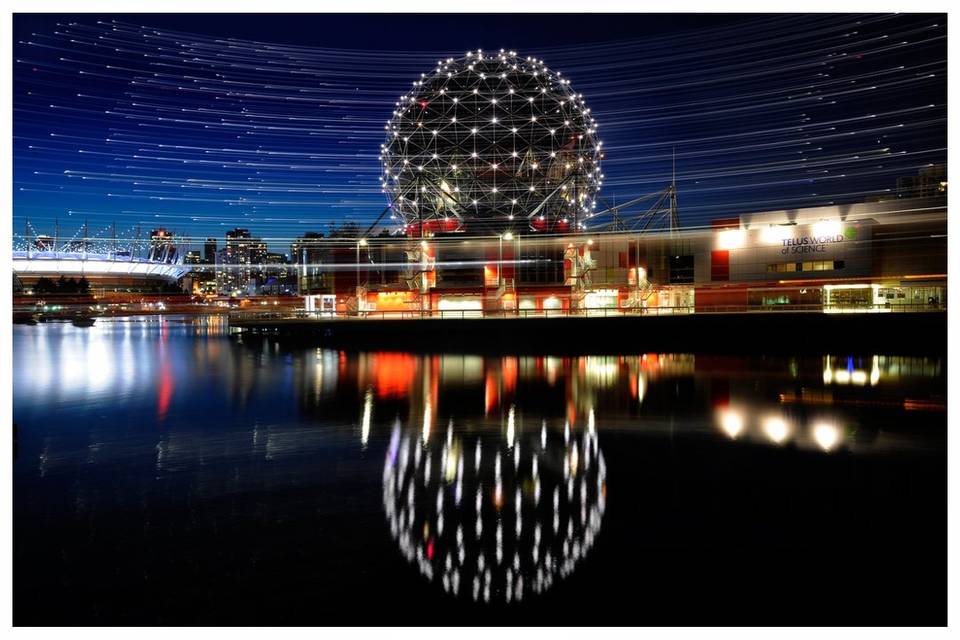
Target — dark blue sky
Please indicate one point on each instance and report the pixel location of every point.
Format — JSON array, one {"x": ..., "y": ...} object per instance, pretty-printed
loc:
[{"x": 273, "y": 122}]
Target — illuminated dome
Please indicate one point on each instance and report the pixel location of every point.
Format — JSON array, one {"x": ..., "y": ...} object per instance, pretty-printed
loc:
[
  {"x": 493, "y": 516},
  {"x": 491, "y": 142}
]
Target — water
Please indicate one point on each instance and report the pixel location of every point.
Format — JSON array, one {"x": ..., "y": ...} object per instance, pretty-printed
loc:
[{"x": 169, "y": 472}]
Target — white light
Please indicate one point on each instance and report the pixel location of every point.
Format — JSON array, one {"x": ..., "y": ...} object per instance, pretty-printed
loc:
[
  {"x": 826, "y": 435},
  {"x": 826, "y": 228},
  {"x": 776, "y": 429},
  {"x": 731, "y": 239},
  {"x": 731, "y": 422},
  {"x": 774, "y": 234}
]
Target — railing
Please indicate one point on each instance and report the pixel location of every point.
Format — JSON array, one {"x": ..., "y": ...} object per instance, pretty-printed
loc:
[{"x": 464, "y": 314}]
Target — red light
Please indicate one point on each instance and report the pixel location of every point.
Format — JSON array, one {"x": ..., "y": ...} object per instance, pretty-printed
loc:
[{"x": 424, "y": 104}]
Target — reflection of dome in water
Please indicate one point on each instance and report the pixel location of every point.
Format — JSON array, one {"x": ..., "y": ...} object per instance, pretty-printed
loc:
[{"x": 491, "y": 516}]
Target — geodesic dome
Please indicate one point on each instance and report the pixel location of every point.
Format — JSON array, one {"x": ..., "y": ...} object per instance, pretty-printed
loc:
[{"x": 490, "y": 142}]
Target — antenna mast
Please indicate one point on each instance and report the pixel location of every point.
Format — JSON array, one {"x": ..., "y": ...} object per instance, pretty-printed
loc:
[{"x": 674, "y": 213}]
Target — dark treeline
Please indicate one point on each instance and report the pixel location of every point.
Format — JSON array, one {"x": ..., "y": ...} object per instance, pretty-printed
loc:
[
  {"x": 62, "y": 285},
  {"x": 81, "y": 287}
]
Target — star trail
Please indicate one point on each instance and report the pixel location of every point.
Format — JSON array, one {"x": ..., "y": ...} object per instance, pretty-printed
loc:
[{"x": 130, "y": 122}]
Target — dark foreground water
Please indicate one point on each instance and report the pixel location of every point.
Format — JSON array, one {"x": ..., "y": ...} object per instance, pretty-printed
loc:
[{"x": 168, "y": 472}]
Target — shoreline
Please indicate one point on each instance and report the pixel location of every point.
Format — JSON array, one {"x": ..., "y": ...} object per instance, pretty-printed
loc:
[{"x": 752, "y": 332}]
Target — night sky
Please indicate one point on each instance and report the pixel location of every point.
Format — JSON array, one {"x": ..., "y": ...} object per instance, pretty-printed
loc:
[{"x": 200, "y": 123}]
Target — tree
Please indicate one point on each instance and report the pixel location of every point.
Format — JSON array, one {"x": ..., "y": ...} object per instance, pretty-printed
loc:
[{"x": 44, "y": 285}]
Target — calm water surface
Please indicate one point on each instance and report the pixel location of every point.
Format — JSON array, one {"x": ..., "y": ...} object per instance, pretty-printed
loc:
[{"x": 169, "y": 472}]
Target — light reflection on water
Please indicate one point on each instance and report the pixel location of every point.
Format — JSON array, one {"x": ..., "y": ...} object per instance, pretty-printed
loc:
[
  {"x": 491, "y": 514},
  {"x": 488, "y": 469}
]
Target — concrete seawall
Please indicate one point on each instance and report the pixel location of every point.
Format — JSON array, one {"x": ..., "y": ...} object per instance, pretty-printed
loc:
[{"x": 780, "y": 332}]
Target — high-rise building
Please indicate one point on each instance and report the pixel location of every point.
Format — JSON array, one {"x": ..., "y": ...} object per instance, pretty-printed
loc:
[
  {"x": 240, "y": 264},
  {"x": 929, "y": 182},
  {"x": 210, "y": 251},
  {"x": 307, "y": 254}
]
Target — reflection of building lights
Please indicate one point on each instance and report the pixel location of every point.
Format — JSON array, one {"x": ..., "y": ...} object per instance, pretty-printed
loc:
[
  {"x": 826, "y": 435},
  {"x": 365, "y": 420},
  {"x": 427, "y": 409},
  {"x": 875, "y": 371},
  {"x": 641, "y": 388},
  {"x": 602, "y": 370},
  {"x": 511, "y": 426},
  {"x": 776, "y": 429},
  {"x": 731, "y": 422},
  {"x": 858, "y": 377}
]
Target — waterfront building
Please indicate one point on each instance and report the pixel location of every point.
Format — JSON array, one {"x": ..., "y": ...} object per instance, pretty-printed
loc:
[{"x": 860, "y": 257}]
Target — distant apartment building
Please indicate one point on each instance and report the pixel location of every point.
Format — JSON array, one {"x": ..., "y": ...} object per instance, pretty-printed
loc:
[
  {"x": 240, "y": 264},
  {"x": 928, "y": 183},
  {"x": 210, "y": 251}
]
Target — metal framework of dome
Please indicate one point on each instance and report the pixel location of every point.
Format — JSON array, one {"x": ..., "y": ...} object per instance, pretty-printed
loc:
[{"x": 490, "y": 142}]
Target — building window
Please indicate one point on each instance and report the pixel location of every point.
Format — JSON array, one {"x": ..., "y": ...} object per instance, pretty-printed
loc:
[
  {"x": 783, "y": 267},
  {"x": 681, "y": 269},
  {"x": 817, "y": 265},
  {"x": 540, "y": 264}
]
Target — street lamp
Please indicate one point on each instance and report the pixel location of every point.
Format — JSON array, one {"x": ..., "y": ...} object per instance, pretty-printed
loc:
[
  {"x": 508, "y": 236},
  {"x": 361, "y": 243}
]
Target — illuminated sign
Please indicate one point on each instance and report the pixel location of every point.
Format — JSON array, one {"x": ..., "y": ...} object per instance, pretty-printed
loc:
[{"x": 809, "y": 244}]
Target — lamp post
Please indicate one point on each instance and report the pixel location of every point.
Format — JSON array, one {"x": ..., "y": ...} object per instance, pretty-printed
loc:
[
  {"x": 508, "y": 236},
  {"x": 360, "y": 243},
  {"x": 500, "y": 262}
]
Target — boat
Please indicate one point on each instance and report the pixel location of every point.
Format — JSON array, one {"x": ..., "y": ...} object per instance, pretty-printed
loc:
[{"x": 80, "y": 320}]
